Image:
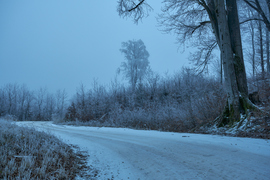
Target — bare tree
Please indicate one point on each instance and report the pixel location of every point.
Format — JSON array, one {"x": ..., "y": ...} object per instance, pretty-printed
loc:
[
  {"x": 25, "y": 98},
  {"x": 2, "y": 102},
  {"x": 11, "y": 93},
  {"x": 61, "y": 98},
  {"x": 81, "y": 101},
  {"x": 136, "y": 61},
  {"x": 39, "y": 106},
  {"x": 223, "y": 19},
  {"x": 49, "y": 108}
]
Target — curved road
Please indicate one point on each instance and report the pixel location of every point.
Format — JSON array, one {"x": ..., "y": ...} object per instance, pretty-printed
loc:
[{"x": 120, "y": 153}]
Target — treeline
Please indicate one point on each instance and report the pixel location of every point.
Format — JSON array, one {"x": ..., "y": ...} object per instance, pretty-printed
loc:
[
  {"x": 176, "y": 103},
  {"x": 22, "y": 104},
  {"x": 179, "y": 102}
]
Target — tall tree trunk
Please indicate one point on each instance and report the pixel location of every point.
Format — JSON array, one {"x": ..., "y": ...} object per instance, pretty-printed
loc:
[
  {"x": 267, "y": 41},
  {"x": 228, "y": 63},
  {"x": 236, "y": 43},
  {"x": 253, "y": 48},
  {"x": 261, "y": 48},
  {"x": 267, "y": 53},
  {"x": 221, "y": 69}
]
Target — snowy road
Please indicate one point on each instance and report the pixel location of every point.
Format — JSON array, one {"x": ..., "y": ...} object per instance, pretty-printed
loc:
[{"x": 121, "y": 153}]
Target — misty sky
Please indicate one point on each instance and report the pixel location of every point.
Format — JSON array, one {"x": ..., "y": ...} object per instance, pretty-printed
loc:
[{"x": 59, "y": 44}]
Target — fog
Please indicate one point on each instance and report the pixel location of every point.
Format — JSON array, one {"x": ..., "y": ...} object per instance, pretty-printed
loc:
[{"x": 62, "y": 44}]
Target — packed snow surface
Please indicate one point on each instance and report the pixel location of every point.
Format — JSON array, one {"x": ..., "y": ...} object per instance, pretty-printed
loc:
[{"x": 121, "y": 153}]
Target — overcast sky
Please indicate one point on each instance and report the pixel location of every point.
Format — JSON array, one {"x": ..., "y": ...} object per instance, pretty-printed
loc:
[{"x": 59, "y": 44}]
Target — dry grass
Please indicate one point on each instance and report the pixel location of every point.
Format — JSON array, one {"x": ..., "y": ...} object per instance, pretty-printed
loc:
[{"x": 28, "y": 154}]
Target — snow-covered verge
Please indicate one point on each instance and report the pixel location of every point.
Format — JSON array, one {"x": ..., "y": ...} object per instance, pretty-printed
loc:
[
  {"x": 122, "y": 153},
  {"x": 254, "y": 126},
  {"x": 29, "y": 154}
]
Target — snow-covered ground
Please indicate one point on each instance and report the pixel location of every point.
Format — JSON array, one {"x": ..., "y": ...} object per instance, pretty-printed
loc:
[{"x": 121, "y": 153}]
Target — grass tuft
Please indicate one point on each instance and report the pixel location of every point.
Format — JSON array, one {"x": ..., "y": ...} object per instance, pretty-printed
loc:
[{"x": 28, "y": 154}]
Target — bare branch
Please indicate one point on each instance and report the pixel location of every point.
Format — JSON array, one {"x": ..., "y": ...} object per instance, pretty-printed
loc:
[
  {"x": 140, "y": 3},
  {"x": 251, "y": 4},
  {"x": 201, "y": 24},
  {"x": 137, "y": 11},
  {"x": 253, "y": 19}
]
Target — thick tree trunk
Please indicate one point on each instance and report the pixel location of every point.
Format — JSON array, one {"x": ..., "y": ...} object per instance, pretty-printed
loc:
[
  {"x": 228, "y": 63},
  {"x": 235, "y": 35}
]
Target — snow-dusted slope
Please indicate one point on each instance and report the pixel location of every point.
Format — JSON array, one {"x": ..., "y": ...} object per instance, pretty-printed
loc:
[{"x": 135, "y": 154}]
